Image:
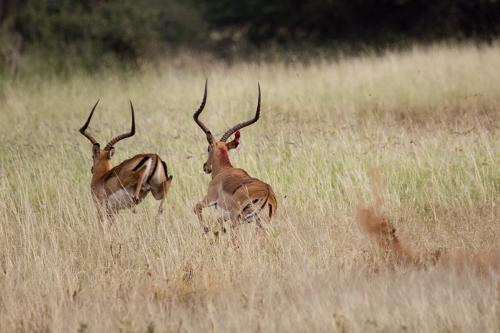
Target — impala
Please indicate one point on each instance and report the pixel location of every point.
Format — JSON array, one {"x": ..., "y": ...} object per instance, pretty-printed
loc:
[
  {"x": 236, "y": 195},
  {"x": 128, "y": 183}
]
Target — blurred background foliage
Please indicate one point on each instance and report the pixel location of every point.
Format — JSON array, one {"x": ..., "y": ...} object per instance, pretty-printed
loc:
[{"x": 93, "y": 33}]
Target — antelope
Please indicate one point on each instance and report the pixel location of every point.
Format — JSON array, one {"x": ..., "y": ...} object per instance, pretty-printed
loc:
[
  {"x": 128, "y": 183},
  {"x": 236, "y": 195}
]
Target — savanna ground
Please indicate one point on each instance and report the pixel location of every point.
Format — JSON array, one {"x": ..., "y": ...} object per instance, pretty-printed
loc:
[{"x": 409, "y": 136}]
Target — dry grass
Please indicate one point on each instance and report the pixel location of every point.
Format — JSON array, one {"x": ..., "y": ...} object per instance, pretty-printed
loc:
[{"x": 426, "y": 119}]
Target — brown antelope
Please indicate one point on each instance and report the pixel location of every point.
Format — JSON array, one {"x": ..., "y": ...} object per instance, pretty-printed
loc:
[
  {"x": 239, "y": 197},
  {"x": 128, "y": 183}
]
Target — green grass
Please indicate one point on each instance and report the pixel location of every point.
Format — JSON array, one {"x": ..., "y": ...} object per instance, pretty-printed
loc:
[{"x": 425, "y": 119}]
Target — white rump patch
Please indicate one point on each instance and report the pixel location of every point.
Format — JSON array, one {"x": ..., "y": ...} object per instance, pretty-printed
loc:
[
  {"x": 226, "y": 213},
  {"x": 121, "y": 199}
]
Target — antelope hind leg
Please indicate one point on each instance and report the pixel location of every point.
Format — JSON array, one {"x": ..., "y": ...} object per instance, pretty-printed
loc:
[
  {"x": 235, "y": 223},
  {"x": 161, "y": 193},
  {"x": 220, "y": 221}
]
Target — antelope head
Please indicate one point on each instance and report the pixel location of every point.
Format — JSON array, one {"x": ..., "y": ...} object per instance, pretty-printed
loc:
[
  {"x": 218, "y": 150},
  {"x": 101, "y": 157}
]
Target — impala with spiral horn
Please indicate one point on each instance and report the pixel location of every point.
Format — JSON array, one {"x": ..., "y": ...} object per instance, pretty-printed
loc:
[
  {"x": 239, "y": 197},
  {"x": 128, "y": 183}
]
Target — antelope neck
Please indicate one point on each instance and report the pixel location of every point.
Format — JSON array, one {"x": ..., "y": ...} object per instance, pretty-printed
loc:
[
  {"x": 221, "y": 163},
  {"x": 101, "y": 168},
  {"x": 224, "y": 158}
]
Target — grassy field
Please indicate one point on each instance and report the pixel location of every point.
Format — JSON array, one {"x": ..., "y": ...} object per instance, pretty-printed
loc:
[{"x": 410, "y": 136}]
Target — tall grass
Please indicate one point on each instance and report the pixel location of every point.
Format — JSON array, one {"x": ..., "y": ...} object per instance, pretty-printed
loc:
[{"x": 426, "y": 119}]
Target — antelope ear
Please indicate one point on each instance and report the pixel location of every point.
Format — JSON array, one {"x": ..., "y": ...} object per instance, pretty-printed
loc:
[
  {"x": 96, "y": 149},
  {"x": 111, "y": 152},
  {"x": 233, "y": 144}
]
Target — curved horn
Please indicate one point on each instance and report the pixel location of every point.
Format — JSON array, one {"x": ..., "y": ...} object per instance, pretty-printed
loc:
[
  {"x": 84, "y": 127},
  {"x": 245, "y": 124},
  {"x": 210, "y": 137},
  {"x": 123, "y": 136}
]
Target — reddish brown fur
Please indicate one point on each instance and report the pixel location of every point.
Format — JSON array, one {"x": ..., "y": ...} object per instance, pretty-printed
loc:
[
  {"x": 107, "y": 181},
  {"x": 125, "y": 185},
  {"x": 382, "y": 231},
  {"x": 481, "y": 263},
  {"x": 232, "y": 189},
  {"x": 223, "y": 157},
  {"x": 236, "y": 195}
]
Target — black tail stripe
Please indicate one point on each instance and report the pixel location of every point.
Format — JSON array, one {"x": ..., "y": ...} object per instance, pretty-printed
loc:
[
  {"x": 141, "y": 163},
  {"x": 270, "y": 211},
  {"x": 154, "y": 169},
  {"x": 249, "y": 205},
  {"x": 165, "y": 168},
  {"x": 263, "y": 205}
]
